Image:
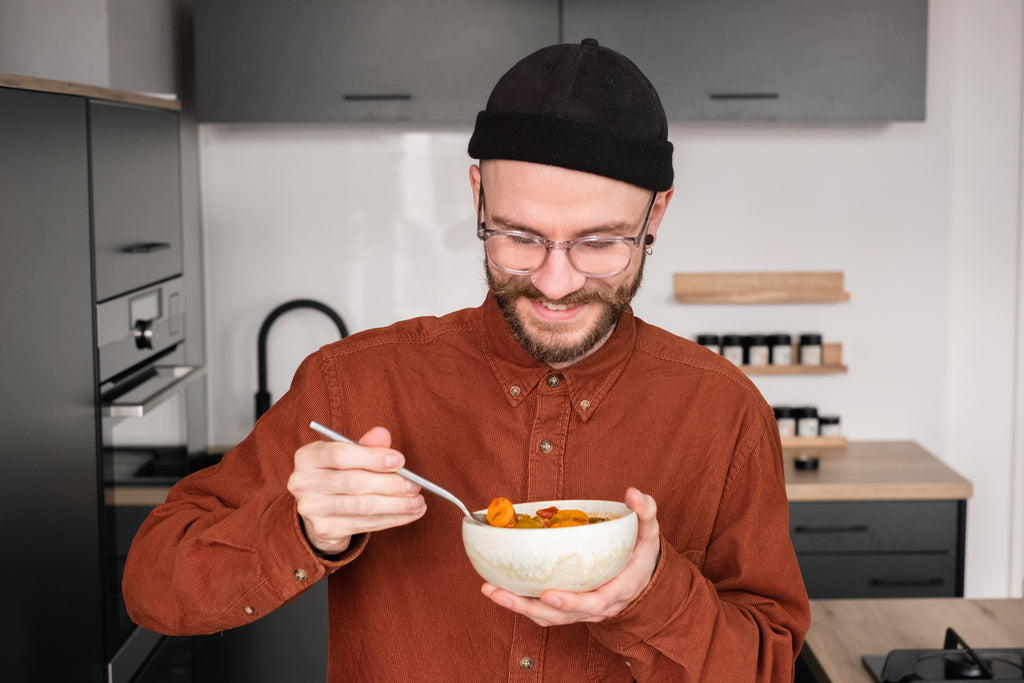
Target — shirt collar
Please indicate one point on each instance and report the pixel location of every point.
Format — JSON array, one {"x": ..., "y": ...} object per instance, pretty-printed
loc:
[{"x": 588, "y": 381}]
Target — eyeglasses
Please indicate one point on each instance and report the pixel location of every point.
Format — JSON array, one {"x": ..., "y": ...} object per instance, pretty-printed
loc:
[{"x": 522, "y": 253}]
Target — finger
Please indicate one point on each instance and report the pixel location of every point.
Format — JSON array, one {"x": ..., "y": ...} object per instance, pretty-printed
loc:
[
  {"x": 377, "y": 436},
  {"x": 642, "y": 504},
  {"x": 363, "y": 482},
  {"x": 334, "y": 455},
  {"x": 334, "y": 505},
  {"x": 532, "y": 608}
]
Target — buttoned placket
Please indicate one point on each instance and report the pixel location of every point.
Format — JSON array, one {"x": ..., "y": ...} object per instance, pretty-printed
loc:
[{"x": 546, "y": 448}]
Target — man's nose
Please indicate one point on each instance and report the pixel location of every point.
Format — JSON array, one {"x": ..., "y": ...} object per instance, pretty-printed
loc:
[{"x": 557, "y": 277}]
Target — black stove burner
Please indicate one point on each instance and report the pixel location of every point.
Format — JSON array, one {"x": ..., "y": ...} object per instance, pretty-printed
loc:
[{"x": 956, "y": 661}]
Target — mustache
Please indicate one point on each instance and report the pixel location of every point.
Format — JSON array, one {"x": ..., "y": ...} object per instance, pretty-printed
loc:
[{"x": 516, "y": 288}]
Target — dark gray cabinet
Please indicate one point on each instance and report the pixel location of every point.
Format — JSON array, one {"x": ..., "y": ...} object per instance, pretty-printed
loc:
[
  {"x": 391, "y": 60},
  {"x": 49, "y": 492},
  {"x": 346, "y": 60},
  {"x": 136, "y": 194},
  {"x": 880, "y": 549},
  {"x": 785, "y": 60}
]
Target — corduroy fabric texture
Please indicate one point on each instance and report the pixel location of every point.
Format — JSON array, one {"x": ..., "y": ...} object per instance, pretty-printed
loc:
[
  {"x": 584, "y": 107},
  {"x": 469, "y": 409}
]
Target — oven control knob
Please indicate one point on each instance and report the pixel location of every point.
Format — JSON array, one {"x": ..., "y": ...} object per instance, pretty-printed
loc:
[{"x": 143, "y": 333}]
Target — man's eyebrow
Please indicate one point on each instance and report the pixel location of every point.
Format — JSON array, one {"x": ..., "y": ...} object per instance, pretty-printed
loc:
[{"x": 602, "y": 229}]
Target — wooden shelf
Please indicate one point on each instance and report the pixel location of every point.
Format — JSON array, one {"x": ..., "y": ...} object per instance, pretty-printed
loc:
[
  {"x": 760, "y": 287},
  {"x": 832, "y": 363},
  {"x": 814, "y": 442}
]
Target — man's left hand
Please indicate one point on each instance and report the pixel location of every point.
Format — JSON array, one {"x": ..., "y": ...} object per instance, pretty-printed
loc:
[{"x": 555, "y": 608}]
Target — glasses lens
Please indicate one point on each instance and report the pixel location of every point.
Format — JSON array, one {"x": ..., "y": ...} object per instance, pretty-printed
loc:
[
  {"x": 600, "y": 256},
  {"x": 515, "y": 252}
]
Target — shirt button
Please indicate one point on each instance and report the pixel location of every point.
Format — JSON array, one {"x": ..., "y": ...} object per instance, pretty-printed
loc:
[
  {"x": 553, "y": 381},
  {"x": 545, "y": 446},
  {"x": 249, "y": 610},
  {"x": 514, "y": 390},
  {"x": 525, "y": 663},
  {"x": 301, "y": 575},
  {"x": 585, "y": 404}
]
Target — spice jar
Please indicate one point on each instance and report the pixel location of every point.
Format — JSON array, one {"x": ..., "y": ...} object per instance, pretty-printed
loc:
[
  {"x": 710, "y": 341},
  {"x": 756, "y": 349},
  {"x": 806, "y": 420},
  {"x": 732, "y": 347},
  {"x": 828, "y": 425},
  {"x": 780, "y": 349},
  {"x": 810, "y": 349},
  {"x": 787, "y": 422}
]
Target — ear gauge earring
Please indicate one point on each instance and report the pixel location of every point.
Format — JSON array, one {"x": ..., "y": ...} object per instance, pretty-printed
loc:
[{"x": 648, "y": 241}]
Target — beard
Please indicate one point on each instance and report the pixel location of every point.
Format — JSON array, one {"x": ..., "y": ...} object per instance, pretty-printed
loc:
[{"x": 544, "y": 344}]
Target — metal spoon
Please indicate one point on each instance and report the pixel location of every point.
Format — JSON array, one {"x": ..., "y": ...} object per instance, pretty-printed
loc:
[{"x": 475, "y": 517}]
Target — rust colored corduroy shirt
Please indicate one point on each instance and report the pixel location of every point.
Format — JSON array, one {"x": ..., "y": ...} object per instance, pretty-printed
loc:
[{"x": 471, "y": 410}]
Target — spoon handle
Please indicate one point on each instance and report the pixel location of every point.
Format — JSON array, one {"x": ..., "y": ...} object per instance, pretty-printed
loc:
[{"x": 411, "y": 476}]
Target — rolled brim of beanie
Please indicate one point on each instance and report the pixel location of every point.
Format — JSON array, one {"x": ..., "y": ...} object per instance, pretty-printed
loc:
[{"x": 569, "y": 144}]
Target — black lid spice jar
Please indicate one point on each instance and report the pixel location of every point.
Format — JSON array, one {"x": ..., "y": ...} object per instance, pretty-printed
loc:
[
  {"x": 806, "y": 420},
  {"x": 710, "y": 341},
  {"x": 828, "y": 425},
  {"x": 786, "y": 420},
  {"x": 780, "y": 349},
  {"x": 732, "y": 347},
  {"x": 810, "y": 348},
  {"x": 755, "y": 349}
]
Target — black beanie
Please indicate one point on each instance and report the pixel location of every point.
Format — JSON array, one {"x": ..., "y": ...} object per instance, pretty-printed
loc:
[{"x": 583, "y": 107}]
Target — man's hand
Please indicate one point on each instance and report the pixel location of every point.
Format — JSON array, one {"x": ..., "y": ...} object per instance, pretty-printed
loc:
[
  {"x": 555, "y": 608},
  {"x": 343, "y": 490}
]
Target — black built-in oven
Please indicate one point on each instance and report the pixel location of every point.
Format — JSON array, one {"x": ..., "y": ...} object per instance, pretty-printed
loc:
[{"x": 144, "y": 393}]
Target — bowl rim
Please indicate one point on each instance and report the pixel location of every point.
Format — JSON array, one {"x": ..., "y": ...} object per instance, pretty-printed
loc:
[{"x": 539, "y": 504}]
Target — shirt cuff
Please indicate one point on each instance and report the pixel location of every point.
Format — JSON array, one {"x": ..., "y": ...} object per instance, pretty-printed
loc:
[
  {"x": 653, "y": 608},
  {"x": 287, "y": 559}
]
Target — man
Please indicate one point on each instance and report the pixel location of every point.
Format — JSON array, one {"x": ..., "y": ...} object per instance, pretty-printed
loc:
[{"x": 552, "y": 389}]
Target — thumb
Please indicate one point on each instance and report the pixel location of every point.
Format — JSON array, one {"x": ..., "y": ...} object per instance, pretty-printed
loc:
[
  {"x": 642, "y": 504},
  {"x": 378, "y": 436}
]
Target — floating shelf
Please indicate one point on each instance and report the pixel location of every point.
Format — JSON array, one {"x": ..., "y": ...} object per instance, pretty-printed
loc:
[
  {"x": 832, "y": 363},
  {"x": 760, "y": 287},
  {"x": 814, "y": 442}
]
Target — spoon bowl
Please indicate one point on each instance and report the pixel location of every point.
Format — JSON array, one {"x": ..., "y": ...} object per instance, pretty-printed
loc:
[{"x": 474, "y": 517}]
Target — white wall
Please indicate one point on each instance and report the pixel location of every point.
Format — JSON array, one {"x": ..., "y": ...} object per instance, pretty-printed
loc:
[{"x": 922, "y": 218}]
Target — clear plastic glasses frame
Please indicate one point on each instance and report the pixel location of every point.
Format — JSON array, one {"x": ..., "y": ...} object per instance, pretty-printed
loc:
[{"x": 528, "y": 245}]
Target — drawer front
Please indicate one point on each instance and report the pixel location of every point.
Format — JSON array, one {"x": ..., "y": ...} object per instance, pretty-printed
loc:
[
  {"x": 873, "y": 526},
  {"x": 136, "y": 187},
  {"x": 879, "y": 576}
]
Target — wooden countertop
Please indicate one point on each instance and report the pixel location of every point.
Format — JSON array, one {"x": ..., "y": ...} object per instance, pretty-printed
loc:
[
  {"x": 844, "y": 630},
  {"x": 95, "y": 92},
  {"x": 873, "y": 470}
]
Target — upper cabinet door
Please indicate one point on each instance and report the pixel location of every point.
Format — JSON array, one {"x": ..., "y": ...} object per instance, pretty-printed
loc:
[
  {"x": 784, "y": 60},
  {"x": 352, "y": 60},
  {"x": 136, "y": 188}
]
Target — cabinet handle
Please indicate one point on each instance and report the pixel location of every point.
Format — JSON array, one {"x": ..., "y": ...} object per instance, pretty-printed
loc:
[
  {"x": 381, "y": 97},
  {"x": 903, "y": 583},
  {"x": 853, "y": 529},
  {"x": 744, "y": 95},
  {"x": 145, "y": 247}
]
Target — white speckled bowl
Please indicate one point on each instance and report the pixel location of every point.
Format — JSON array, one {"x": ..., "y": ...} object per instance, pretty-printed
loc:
[{"x": 576, "y": 558}]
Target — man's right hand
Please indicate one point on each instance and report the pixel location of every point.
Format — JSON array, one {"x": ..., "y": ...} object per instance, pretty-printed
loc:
[{"x": 343, "y": 490}]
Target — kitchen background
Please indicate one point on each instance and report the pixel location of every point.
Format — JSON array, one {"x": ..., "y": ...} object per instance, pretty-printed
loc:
[{"x": 376, "y": 220}]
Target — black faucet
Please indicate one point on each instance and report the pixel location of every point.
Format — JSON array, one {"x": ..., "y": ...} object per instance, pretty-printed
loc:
[{"x": 263, "y": 395}]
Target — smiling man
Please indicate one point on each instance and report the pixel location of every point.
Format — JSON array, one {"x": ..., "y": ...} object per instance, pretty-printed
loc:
[{"x": 551, "y": 390}]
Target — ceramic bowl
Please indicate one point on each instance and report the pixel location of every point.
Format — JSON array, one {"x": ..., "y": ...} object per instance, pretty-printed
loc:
[{"x": 576, "y": 558}]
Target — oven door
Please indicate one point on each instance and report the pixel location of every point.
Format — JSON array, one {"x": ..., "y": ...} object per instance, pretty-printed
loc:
[{"x": 145, "y": 451}]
